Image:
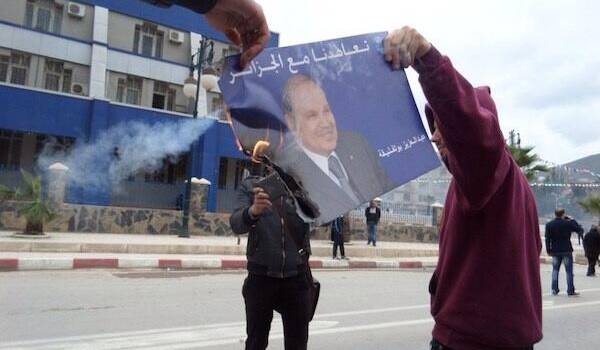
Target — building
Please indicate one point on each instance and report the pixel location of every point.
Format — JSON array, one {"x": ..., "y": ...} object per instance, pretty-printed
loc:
[
  {"x": 71, "y": 69},
  {"x": 417, "y": 196}
]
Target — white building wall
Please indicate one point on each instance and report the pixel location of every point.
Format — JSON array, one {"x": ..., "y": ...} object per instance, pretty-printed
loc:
[{"x": 99, "y": 54}]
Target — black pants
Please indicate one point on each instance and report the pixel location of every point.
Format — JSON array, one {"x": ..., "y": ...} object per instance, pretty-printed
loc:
[
  {"x": 289, "y": 297},
  {"x": 338, "y": 240},
  {"x": 592, "y": 265},
  {"x": 435, "y": 345}
]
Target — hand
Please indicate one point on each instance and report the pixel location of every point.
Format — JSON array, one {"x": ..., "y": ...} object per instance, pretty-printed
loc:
[
  {"x": 244, "y": 23},
  {"x": 403, "y": 46},
  {"x": 260, "y": 203}
]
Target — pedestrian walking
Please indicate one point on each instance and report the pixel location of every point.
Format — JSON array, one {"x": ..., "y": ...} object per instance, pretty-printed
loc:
[
  {"x": 579, "y": 237},
  {"x": 337, "y": 235},
  {"x": 591, "y": 246},
  {"x": 489, "y": 215},
  {"x": 558, "y": 245},
  {"x": 372, "y": 215}
]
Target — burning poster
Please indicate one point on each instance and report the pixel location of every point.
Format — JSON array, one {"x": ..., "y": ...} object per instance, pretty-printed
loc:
[{"x": 334, "y": 116}]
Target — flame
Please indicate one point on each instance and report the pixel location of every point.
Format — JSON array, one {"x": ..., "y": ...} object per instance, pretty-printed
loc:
[
  {"x": 262, "y": 143},
  {"x": 260, "y": 148}
]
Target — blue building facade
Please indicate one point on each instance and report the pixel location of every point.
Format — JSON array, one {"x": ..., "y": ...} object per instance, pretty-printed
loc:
[{"x": 120, "y": 80}]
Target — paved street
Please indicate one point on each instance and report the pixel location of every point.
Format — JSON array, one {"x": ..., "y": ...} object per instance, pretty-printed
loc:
[{"x": 110, "y": 309}]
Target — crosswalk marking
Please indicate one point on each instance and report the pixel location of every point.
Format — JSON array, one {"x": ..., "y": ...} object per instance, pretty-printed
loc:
[{"x": 203, "y": 336}]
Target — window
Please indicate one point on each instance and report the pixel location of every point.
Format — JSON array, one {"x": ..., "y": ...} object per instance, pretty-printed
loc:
[
  {"x": 57, "y": 146},
  {"x": 229, "y": 51},
  {"x": 56, "y": 77},
  {"x": 222, "y": 174},
  {"x": 148, "y": 40},
  {"x": 129, "y": 90},
  {"x": 406, "y": 197},
  {"x": 172, "y": 171},
  {"x": 4, "y": 63},
  {"x": 163, "y": 97},
  {"x": 240, "y": 168},
  {"x": 10, "y": 149},
  {"x": 14, "y": 68},
  {"x": 44, "y": 15},
  {"x": 215, "y": 105}
]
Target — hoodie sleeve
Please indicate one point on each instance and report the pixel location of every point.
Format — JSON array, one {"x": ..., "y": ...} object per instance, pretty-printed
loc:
[{"x": 467, "y": 119}]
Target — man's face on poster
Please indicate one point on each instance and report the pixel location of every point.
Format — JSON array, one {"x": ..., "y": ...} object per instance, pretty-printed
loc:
[{"x": 311, "y": 118}]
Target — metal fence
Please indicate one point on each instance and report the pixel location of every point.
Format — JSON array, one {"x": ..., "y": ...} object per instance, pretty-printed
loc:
[{"x": 396, "y": 218}]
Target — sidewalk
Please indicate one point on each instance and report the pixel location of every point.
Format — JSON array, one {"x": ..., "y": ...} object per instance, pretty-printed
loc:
[{"x": 104, "y": 250}]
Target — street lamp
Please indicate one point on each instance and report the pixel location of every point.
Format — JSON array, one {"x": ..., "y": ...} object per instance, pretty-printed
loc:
[{"x": 191, "y": 88}]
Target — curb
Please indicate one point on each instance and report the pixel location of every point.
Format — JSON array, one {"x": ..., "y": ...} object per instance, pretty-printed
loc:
[
  {"x": 46, "y": 246},
  {"x": 61, "y": 263}
]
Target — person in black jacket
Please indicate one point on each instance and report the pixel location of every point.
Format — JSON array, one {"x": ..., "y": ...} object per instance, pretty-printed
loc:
[
  {"x": 591, "y": 245},
  {"x": 277, "y": 278},
  {"x": 242, "y": 21},
  {"x": 372, "y": 214},
  {"x": 337, "y": 236},
  {"x": 558, "y": 245}
]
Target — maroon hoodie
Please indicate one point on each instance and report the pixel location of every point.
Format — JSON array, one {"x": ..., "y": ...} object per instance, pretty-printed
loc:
[{"x": 486, "y": 290}]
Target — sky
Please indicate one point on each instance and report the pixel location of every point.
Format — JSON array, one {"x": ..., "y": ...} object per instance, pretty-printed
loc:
[{"x": 540, "y": 58}]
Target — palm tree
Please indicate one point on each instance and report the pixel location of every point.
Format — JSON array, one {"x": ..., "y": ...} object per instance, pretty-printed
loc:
[
  {"x": 6, "y": 193},
  {"x": 37, "y": 211},
  {"x": 527, "y": 161},
  {"x": 591, "y": 204}
]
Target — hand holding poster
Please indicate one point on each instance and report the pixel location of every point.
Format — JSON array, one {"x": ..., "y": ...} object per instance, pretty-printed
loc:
[{"x": 335, "y": 116}]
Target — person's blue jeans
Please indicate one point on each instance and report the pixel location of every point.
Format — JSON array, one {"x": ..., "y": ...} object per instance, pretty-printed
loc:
[
  {"x": 372, "y": 228},
  {"x": 567, "y": 259}
]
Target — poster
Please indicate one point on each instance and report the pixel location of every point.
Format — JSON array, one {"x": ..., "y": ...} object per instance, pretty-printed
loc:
[{"x": 335, "y": 116}]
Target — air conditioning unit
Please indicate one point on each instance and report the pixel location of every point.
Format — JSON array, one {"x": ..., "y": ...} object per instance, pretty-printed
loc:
[
  {"x": 77, "y": 89},
  {"x": 76, "y": 10},
  {"x": 175, "y": 36}
]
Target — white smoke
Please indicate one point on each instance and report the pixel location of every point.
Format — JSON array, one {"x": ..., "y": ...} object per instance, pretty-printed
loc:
[{"x": 125, "y": 149}]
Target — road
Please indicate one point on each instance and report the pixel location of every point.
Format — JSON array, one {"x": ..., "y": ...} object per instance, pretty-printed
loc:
[{"x": 152, "y": 310}]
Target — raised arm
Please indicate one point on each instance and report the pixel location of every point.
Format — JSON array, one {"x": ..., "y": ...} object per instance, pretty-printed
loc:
[
  {"x": 251, "y": 203},
  {"x": 465, "y": 116}
]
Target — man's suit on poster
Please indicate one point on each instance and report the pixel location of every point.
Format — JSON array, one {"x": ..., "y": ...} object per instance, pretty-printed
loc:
[{"x": 366, "y": 175}]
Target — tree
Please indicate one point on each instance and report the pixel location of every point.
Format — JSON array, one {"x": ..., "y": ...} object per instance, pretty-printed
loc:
[
  {"x": 526, "y": 160},
  {"x": 38, "y": 211},
  {"x": 591, "y": 204},
  {"x": 6, "y": 193}
]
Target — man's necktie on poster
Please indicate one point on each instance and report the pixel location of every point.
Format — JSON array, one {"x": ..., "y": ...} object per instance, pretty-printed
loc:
[
  {"x": 336, "y": 169},
  {"x": 332, "y": 97}
]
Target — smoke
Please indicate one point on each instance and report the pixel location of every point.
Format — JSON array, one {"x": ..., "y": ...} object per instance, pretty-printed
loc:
[{"x": 123, "y": 150}]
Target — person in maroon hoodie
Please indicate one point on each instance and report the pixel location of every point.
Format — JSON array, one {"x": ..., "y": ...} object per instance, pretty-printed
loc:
[{"x": 486, "y": 289}]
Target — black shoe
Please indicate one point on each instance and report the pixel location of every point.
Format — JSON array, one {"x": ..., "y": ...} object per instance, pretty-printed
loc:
[
  {"x": 554, "y": 292},
  {"x": 574, "y": 294}
]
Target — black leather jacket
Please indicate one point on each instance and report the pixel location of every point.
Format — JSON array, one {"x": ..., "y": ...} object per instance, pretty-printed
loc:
[{"x": 270, "y": 250}]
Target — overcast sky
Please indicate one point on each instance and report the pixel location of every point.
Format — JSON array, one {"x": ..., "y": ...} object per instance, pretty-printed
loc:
[{"x": 541, "y": 58}]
